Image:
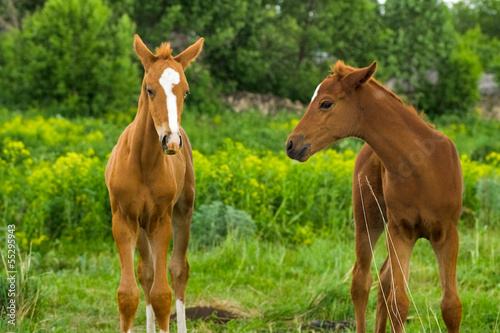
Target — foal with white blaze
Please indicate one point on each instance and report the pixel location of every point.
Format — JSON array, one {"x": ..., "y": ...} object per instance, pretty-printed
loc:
[{"x": 150, "y": 179}]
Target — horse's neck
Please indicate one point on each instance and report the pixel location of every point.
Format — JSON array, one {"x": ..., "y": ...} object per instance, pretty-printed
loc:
[
  {"x": 395, "y": 133},
  {"x": 144, "y": 145}
]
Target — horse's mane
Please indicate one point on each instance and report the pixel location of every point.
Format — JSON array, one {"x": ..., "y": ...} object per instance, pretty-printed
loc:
[
  {"x": 164, "y": 51},
  {"x": 340, "y": 69}
]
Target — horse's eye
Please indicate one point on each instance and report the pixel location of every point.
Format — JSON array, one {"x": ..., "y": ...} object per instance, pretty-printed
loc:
[
  {"x": 326, "y": 105},
  {"x": 150, "y": 92},
  {"x": 186, "y": 93}
]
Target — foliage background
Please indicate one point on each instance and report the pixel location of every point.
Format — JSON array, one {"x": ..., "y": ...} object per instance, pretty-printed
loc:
[{"x": 74, "y": 57}]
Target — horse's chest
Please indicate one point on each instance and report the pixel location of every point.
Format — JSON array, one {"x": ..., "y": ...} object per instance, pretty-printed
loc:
[{"x": 147, "y": 195}]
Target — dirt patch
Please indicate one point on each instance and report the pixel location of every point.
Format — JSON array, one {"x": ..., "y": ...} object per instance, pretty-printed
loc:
[
  {"x": 223, "y": 316},
  {"x": 207, "y": 313}
]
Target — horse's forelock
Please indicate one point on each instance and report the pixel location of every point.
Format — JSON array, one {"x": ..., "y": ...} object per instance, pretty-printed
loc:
[
  {"x": 164, "y": 51},
  {"x": 341, "y": 69}
]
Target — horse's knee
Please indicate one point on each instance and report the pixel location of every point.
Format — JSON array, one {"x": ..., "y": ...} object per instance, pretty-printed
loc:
[
  {"x": 161, "y": 300},
  {"x": 128, "y": 299},
  {"x": 179, "y": 271},
  {"x": 361, "y": 282},
  {"x": 451, "y": 310},
  {"x": 399, "y": 305}
]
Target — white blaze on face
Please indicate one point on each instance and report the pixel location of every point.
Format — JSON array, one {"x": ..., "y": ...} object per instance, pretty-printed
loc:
[
  {"x": 168, "y": 80},
  {"x": 181, "y": 316},
  {"x": 315, "y": 92}
]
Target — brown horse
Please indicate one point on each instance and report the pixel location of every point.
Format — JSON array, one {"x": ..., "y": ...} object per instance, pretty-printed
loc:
[
  {"x": 407, "y": 174},
  {"x": 151, "y": 186}
]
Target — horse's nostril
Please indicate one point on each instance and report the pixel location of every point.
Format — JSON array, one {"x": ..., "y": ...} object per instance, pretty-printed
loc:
[
  {"x": 180, "y": 141},
  {"x": 164, "y": 141},
  {"x": 289, "y": 145}
]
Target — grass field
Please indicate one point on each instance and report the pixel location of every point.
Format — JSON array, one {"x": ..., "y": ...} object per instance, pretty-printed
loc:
[
  {"x": 279, "y": 280},
  {"x": 272, "y": 287}
]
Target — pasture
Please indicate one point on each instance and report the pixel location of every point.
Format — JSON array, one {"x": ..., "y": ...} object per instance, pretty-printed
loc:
[{"x": 272, "y": 241}]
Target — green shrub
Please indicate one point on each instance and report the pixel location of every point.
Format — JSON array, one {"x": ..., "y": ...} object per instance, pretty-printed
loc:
[
  {"x": 481, "y": 184},
  {"x": 68, "y": 198},
  {"x": 71, "y": 57},
  {"x": 49, "y": 138},
  {"x": 48, "y": 200},
  {"x": 214, "y": 221}
]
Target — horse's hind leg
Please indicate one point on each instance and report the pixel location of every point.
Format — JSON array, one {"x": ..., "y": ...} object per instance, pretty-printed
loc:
[
  {"x": 145, "y": 272},
  {"x": 446, "y": 250},
  {"x": 384, "y": 290},
  {"x": 125, "y": 236},
  {"x": 178, "y": 265},
  {"x": 400, "y": 248}
]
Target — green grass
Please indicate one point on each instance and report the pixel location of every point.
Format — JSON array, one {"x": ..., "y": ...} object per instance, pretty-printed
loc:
[{"x": 276, "y": 288}]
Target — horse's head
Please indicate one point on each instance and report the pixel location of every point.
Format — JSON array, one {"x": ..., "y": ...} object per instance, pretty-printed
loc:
[
  {"x": 165, "y": 86},
  {"x": 333, "y": 113}
]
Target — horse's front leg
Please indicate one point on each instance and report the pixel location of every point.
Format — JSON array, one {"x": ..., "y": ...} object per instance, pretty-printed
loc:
[
  {"x": 362, "y": 276},
  {"x": 178, "y": 265},
  {"x": 125, "y": 235},
  {"x": 369, "y": 225},
  {"x": 159, "y": 234}
]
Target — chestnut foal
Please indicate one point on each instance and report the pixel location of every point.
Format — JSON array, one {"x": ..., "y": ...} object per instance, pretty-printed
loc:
[
  {"x": 412, "y": 179},
  {"x": 151, "y": 186}
]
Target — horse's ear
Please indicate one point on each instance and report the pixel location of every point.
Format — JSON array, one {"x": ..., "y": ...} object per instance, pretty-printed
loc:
[
  {"x": 190, "y": 53},
  {"x": 359, "y": 76},
  {"x": 147, "y": 58}
]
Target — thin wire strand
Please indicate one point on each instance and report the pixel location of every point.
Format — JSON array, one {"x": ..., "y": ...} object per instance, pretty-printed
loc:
[
  {"x": 371, "y": 246},
  {"x": 399, "y": 263}
]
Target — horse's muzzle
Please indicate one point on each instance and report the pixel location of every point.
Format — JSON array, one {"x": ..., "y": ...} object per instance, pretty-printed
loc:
[
  {"x": 297, "y": 149},
  {"x": 171, "y": 144}
]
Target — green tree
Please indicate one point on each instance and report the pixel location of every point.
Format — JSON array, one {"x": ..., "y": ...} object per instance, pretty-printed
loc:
[
  {"x": 283, "y": 47},
  {"x": 422, "y": 41},
  {"x": 486, "y": 48},
  {"x": 478, "y": 21},
  {"x": 72, "y": 58},
  {"x": 485, "y": 13},
  {"x": 181, "y": 23},
  {"x": 286, "y": 47}
]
